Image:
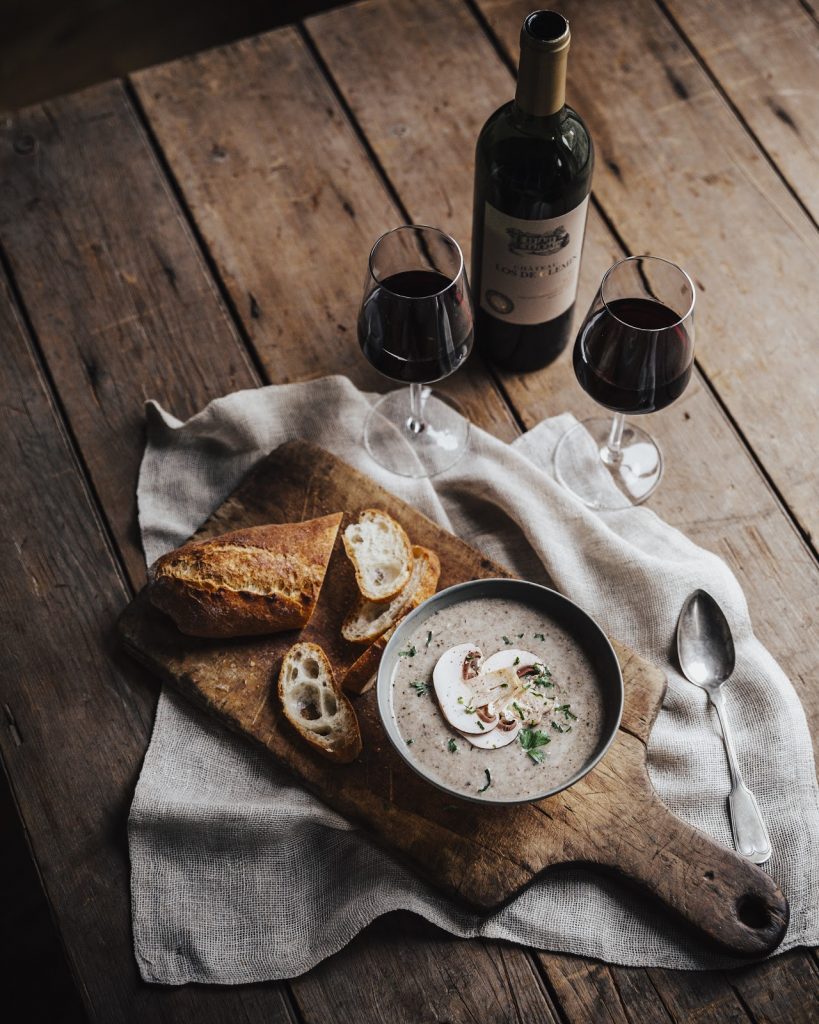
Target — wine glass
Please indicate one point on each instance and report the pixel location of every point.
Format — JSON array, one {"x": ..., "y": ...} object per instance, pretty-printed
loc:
[
  {"x": 415, "y": 326},
  {"x": 634, "y": 354}
]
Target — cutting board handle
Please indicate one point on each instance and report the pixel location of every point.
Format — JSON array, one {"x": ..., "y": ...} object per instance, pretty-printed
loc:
[{"x": 734, "y": 902}]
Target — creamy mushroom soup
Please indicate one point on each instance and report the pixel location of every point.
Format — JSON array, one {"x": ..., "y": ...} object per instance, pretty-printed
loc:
[{"x": 493, "y": 699}]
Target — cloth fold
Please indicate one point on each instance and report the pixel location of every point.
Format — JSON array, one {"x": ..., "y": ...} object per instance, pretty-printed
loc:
[{"x": 238, "y": 875}]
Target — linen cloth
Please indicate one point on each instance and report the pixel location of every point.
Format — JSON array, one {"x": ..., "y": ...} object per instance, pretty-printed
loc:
[{"x": 239, "y": 875}]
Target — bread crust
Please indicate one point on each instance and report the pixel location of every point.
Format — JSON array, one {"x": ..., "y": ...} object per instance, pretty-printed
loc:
[
  {"x": 343, "y": 744},
  {"x": 263, "y": 579},
  {"x": 360, "y": 676}
]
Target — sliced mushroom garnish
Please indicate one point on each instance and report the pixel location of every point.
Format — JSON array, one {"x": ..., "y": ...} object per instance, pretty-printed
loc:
[
  {"x": 502, "y": 736},
  {"x": 523, "y": 704},
  {"x": 511, "y": 657},
  {"x": 487, "y": 713},
  {"x": 455, "y": 696}
]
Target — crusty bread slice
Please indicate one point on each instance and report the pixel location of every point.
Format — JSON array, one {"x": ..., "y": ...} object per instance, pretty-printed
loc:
[
  {"x": 263, "y": 579},
  {"x": 361, "y": 674},
  {"x": 381, "y": 554},
  {"x": 369, "y": 619},
  {"x": 315, "y": 706}
]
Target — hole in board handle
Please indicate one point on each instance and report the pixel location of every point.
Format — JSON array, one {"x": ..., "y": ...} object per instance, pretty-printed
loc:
[{"x": 753, "y": 912}]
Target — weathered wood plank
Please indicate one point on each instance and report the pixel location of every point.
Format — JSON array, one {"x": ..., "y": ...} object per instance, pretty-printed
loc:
[
  {"x": 595, "y": 993},
  {"x": 765, "y": 57},
  {"x": 288, "y": 202},
  {"x": 441, "y": 979},
  {"x": 422, "y": 123},
  {"x": 114, "y": 286},
  {"x": 77, "y": 718},
  {"x": 679, "y": 176},
  {"x": 780, "y": 991}
]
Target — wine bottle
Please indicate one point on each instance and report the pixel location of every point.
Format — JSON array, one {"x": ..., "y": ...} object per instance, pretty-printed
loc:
[{"x": 533, "y": 170}]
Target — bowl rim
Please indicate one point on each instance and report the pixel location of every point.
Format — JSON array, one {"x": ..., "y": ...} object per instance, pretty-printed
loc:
[{"x": 384, "y": 684}]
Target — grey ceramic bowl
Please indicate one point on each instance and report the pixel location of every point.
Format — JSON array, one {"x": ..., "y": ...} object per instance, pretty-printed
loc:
[{"x": 554, "y": 607}]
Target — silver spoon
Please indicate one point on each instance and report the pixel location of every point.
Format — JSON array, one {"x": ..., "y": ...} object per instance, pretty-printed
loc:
[{"x": 705, "y": 648}]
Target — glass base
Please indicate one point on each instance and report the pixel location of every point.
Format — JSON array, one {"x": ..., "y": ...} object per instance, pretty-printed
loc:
[
  {"x": 602, "y": 479},
  {"x": 416, "y": 449}
]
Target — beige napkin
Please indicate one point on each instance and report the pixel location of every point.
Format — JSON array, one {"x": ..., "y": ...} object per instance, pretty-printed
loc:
[{"x": 238, "y": 875}]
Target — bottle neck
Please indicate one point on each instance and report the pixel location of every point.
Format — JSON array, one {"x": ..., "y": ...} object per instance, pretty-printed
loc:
[{"x": 541, "y": 89}]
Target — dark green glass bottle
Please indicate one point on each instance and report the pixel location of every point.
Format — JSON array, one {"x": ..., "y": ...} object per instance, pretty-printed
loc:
[{"x": 533, "y": 171}]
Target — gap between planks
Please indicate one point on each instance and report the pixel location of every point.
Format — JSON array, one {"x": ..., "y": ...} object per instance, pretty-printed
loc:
[{"x": 732, "y": 106}]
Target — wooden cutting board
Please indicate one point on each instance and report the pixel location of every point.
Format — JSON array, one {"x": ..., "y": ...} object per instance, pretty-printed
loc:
[{"x": 612, "y": 819}]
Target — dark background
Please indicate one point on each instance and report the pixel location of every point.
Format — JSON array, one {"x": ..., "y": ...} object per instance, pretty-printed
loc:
[{"x": 48, "y": 47}]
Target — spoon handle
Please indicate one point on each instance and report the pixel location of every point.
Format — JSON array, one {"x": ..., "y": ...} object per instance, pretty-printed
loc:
[{"x": 750, "y": 834}]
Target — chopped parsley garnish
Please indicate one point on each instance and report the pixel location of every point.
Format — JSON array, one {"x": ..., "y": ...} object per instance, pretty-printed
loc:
[
  {"x": 532, "y": 740},
  {"x": 520, "y": 636},
  {"x": 539, "y": 636},
  {"x": 518, "y": 709},
  {"x": 506, "y": 640},
  {"x": 468, "y": 710},
  {"x": 488, "y": 782},
  {"x": 409, "y": 743},
  {"x": 410, "y": 652},
  {"x": 481, "y": 726},
  {"x": 567, "y": 714},
  {"x": 516, "y": 661},
  {"x": 504, "y": 686},
  {"x": 429, "y": 638},
  {"x": 561, "y": 728},
  {"x": 420, "y": 688},
  {"x": 452, "y": 747},
  {"x": 541, "y": 676}
]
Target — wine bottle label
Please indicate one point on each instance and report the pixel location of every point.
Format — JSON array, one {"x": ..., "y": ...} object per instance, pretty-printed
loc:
[{"x": 531, "y": 267}]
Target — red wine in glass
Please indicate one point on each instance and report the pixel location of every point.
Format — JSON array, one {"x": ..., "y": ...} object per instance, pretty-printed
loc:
[
  {"x": 634, "y": 354},
  {"x": 415, "y": 342},
  {"x": 415, "y": 325}
]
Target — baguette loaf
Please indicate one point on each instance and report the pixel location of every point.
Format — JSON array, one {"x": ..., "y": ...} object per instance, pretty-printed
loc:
[
  {"x": 315, "y": 706},
  {"x": 263, "y": 579}
]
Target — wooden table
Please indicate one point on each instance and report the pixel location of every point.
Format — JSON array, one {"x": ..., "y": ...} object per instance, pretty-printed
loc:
[{"x": 204, "y": 226}]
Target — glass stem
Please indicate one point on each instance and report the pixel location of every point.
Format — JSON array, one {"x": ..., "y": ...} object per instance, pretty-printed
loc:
[
  {"x": 613, "y": 452},
  {"x": 415, "y": 422}
]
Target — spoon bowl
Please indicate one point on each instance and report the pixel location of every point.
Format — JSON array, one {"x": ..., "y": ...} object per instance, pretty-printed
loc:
[{"x": 705, "y": 646}]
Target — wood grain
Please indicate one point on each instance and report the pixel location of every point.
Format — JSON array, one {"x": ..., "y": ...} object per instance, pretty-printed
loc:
[
  {"x": 422, "y": 123},
  {"x": 119, "y": 296},
  {"x": 765, "y": 57},
  {"x": 432, "y": 977},
  {"x": 76, "y": 721},
  {"x": 289, "y": 205},
  {"x": 707, "y": 198},
  {"x": 612, "y": 818}
]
